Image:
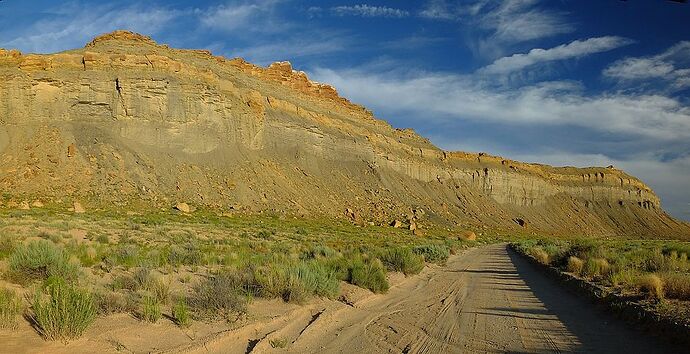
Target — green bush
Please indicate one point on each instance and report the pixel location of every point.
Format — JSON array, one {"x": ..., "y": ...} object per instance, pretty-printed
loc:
[
  {"x": 369, "y": 275},
  {"x": 433, "y": 253},
  {"x": 10, "y": 308},
  {"x": 151, "y": 309},
  {"x": 180, "y": 313},
  {"x": 402, "y": 260},
  {"x": 596, "y": 267},
  {"x": 39, "y": 260},
  {"x": 66, "y": 313},
  {"x": 7, "y": 245}
]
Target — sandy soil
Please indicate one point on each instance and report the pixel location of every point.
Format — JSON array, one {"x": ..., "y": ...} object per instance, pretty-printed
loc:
[{"x": 484, "y": 300}]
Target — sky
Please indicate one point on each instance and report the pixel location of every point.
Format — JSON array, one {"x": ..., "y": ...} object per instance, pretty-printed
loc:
[{"x": 563, "y": 82}]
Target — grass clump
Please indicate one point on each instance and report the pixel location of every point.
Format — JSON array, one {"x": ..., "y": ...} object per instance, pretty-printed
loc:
[
  {"x": 402, "y": 260},
  {"x": 575, "y": 265},
  {"x": 39, "y": 260},
  {"x": 540, "y": 255},
  {"x": 677, "y": 286},
  {"x": 219, "y": 297},
  {"x": 433, "y": 253},
  {"x": 10, "y": 308},
  {"x": 369, "y": 275},
  {"x": 66, "y": 313},
  {"x": 652, "y": 285},
  {"x": 279, "y": 343},
  {"x": 151, "y": 309},
  {"x": 181, "y": 313},
  {"x": 596, "y": 267}
]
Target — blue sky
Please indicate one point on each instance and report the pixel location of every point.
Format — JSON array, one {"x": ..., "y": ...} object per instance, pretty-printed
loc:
[{"x": 564, "y": 82}]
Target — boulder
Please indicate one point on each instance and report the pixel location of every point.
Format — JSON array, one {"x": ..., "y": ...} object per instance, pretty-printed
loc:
[
  {"x": 78, "y": 208},
  {"x": 397, "y": 224},
  {"x": 37, "y": 204},
  {"x": 183, "y": 207},
  {"x": 413, "y": 226},
  {"x": 24, "y": 205},
  {"x": 467, "y": 236}
]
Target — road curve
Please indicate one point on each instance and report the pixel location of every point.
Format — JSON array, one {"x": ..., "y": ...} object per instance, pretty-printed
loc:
[{"x": 486, "y": 300}]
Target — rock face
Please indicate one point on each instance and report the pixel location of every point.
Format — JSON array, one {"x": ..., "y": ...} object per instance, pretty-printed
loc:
[{"x": 127, "y": 121}]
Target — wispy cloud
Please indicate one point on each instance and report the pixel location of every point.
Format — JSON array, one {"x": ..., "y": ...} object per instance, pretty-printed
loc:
[
  {"x": 441, "y": 96},
  {"x": 72, "y": 25},
  {"x": 575, "y": 49},
  {"x": 369, "y": 11},
  {"x": 257, "y": 16},
  {"x": 438, "y": 10},
  {"x": 523, "y": 20},
  {"x": 672, "y": 67}
]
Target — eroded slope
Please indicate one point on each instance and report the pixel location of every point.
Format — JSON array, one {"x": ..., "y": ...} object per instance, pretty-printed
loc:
[{"x": 126, "y": 121}]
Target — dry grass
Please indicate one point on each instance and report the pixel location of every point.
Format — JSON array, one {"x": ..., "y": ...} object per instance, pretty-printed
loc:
[
  {"x": 596, "y": 267},
  {"x": 677, "y": 286},
  {"x": 652, "y": 285},
  {"x": 540, "y": 255},
  {"x": 575, "y": 265}
]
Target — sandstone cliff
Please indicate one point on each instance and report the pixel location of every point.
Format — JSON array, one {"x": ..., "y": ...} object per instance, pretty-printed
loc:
[{"x": 126, "y": 121}]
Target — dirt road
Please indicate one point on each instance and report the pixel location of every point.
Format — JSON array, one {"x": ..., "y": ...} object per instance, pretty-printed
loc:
[{"x": 485, "y": 300}]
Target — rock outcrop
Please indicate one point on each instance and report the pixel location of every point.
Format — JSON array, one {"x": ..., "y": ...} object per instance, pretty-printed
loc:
[{"x": 127, "y": 121}]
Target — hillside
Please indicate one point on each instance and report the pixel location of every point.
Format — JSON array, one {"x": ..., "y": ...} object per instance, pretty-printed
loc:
[{"x": 127, "y": 123}]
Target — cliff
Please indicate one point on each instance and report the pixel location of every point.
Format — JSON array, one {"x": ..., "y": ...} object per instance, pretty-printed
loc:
[{"x": 126, "y": 121}]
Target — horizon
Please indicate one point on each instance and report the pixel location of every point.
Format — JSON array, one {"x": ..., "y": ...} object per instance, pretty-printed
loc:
[{"x": 576, "y": 91}]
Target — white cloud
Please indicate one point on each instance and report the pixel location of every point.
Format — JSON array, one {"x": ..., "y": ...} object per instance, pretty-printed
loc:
[
  {"x": 369, "y": 11},
  {"x": 575, "y": 49},
  {"x": 671, "y": 66},
  {"x": 258, "y": 16},
  {"x": 437, "y": 10},
  {"x": 442, "y": 96},
  {"x": 76, "y": 24},
  {"x": 522, "y": 20}
]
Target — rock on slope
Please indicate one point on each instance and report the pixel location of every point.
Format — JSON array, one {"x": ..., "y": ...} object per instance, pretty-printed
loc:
[{"x": 126, "y": 121}]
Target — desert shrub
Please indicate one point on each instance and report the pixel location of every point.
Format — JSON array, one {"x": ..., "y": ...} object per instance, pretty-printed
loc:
[
  {"x": 540, "y": 255},
  {"x": 677, "y": 286},
  {"x": 10, "y": 308},
  {"x": 279, "y": 343},
  {"x": 7, "y": 245},
  {"x": 109, "y": 302},
  {"x": 189, "y": 254},
  {"x": 433, "y": 253},
  {"x": 596, "y": 267},
  {"x": 125, "y": 281},
  {"x": 317, "y": 278},
  {"x": 180, "y": 313},
  {"x": 103, "y": 238},
  {"x": 622, "y": 277},
  {"x": 402, "y": 260},
  {"x": 652, "y": 285},
  {"x": 142, "y": 278},
  {"x": 321, "y": 251},
  {"x": 575, "y": 265},
  {"x": 369, "y": 275},
  {"x": 39, "y": 260},
  {"x": 218, "y": 297},
  {"x": 126, "y": 255},
  {"x": 66, "y": 313},
  {"x": 160, "y": 289},
  {"x": 151, "y": 309}
]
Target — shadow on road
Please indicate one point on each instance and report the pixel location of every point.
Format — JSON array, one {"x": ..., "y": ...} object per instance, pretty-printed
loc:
[{"x": 596, "y": 330}]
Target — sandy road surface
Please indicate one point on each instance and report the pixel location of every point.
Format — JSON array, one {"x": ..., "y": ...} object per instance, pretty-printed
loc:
[{"x": 485, "y": 300}]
